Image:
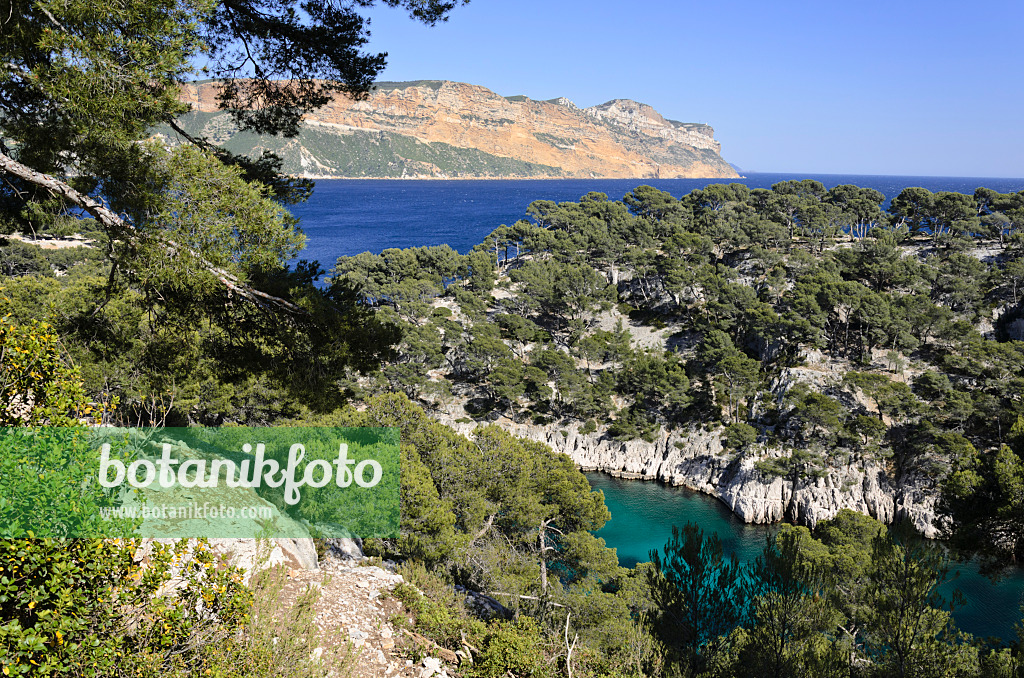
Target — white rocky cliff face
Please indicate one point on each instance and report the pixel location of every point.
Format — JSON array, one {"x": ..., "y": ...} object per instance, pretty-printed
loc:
[{"x": 696, "y": 459}]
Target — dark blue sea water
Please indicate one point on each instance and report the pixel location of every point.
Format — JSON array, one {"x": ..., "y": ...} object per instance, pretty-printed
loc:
[
  {"x": 349, "y": 216},
  {"x": 346, "y": 217}
]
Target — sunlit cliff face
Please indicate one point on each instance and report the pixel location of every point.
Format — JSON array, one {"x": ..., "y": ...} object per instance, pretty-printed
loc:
[{"x": 618, "y": 139}]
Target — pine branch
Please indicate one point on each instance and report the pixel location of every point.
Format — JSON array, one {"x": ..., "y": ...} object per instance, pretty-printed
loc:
[{"x": 112, "y": 221}]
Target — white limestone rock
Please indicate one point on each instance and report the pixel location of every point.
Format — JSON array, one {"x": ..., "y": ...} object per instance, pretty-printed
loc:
[{"x": 695, "y": 459}]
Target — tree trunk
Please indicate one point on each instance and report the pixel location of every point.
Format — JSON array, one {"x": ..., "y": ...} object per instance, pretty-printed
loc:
[{"x": 543, "y": 560}]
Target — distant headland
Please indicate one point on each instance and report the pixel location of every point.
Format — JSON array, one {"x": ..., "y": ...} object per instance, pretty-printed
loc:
[{"x": 450, "y": 130}]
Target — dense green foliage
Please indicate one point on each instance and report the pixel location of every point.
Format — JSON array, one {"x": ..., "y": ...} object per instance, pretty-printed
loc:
[
  {"x": 736, "y": 306},
  {"x": 625, "y": 318},
  {"x": 80, "y": 607},
  {"x": 846, "y": 599}
]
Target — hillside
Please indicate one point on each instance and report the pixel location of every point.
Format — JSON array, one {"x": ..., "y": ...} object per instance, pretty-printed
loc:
[
  {"x": 797, "y": 352},
  {"x": 444, "y": 129},
  {"x": 732, "y": 341}
]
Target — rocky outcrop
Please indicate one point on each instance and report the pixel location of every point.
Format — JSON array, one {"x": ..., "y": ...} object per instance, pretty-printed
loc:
[
  {"x": 250, "y": 555},
  {"x": 695, "y": 459},
  {"x": 448, "y": 129}
]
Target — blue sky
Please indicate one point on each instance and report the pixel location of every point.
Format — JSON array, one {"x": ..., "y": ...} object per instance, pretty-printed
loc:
[{"x": 865, "y": 87}]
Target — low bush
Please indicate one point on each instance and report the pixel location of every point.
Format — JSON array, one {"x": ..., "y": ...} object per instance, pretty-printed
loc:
[{"x": 88, "y": 607}]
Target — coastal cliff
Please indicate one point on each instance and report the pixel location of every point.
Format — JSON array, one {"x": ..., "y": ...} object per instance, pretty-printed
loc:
[
  {"x": 696, "y": 459},
  {"x": 444, "y": 129}
]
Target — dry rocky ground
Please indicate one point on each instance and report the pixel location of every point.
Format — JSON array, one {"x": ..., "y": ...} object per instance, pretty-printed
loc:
[{"x": 354, "y": 616}]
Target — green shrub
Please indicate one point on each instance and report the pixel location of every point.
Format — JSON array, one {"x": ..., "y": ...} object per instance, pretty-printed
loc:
[
  {"x": 738, "y": 435},
  {"x": 589, "y": 426},
  {"x": 46, "y": 461},
  {"x": 48, "y": 488},
  {"x": 86, "y": 607},
  {"x": 281, "y": 642},
  {"x": 438, "y": 610},
  {"x": 38, "y": 384},
  {"x": 632, "y": 424},
  {"x": 69, "y": 257},
  {"x": 81, "y": 607},
  {"x": 18, "y": 258},
  {"x": 512, "y": 648},
  {"x": 505, "y": 648},
  {"x": 771, "y": 468}
]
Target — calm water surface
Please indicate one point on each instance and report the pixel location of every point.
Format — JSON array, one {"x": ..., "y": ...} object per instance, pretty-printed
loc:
[{"x": 643, "y": 514}]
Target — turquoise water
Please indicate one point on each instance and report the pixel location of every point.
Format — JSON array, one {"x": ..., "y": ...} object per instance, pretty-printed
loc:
[{"x": 643, "y": 514}]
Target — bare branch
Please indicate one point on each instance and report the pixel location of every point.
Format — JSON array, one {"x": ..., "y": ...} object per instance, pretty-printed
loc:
[
  {"x": 485, "y": 528},
  {"x": 111, "y": 220},
  {"x": 569, "y": 647},
  {"x": 48, "y": 16},
  {"x": 196, "y": 141},
  {"x": 522, "y": 597}
]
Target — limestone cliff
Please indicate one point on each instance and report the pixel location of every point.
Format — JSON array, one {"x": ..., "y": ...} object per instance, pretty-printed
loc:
[
  {"x": 696, "y": 459},
  {"x": 448, "y": 129}
]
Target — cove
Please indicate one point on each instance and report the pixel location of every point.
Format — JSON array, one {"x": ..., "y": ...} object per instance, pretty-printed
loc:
[{"x": 643, "y": 513}]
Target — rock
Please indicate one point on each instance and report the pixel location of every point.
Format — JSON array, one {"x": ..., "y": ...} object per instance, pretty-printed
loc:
[
  {"x": 247, "y": 554},
  {"x": 1015, "y": 329},
  {"x": 431, "y": 667},
  {"x": 483, "y": 605},
  {"x": 695, "y": 459},
  {"x": 620, "y": 138},
  {"x": 345, "y": 548}
]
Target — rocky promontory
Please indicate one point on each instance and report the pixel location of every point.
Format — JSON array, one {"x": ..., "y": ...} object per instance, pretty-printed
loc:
[{"x": 442, "y": 129}]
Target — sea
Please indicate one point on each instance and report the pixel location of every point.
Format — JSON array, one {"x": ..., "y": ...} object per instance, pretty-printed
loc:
[
  {"x": 345, "y": 217},
  {"x": 348, "y": 216}
]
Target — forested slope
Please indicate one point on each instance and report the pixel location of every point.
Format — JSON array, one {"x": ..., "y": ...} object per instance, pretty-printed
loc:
[
  {"x": 813, "y": 329},
  {"x": 625, "y": 319},
  {"x": 180, "y": 307}
]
